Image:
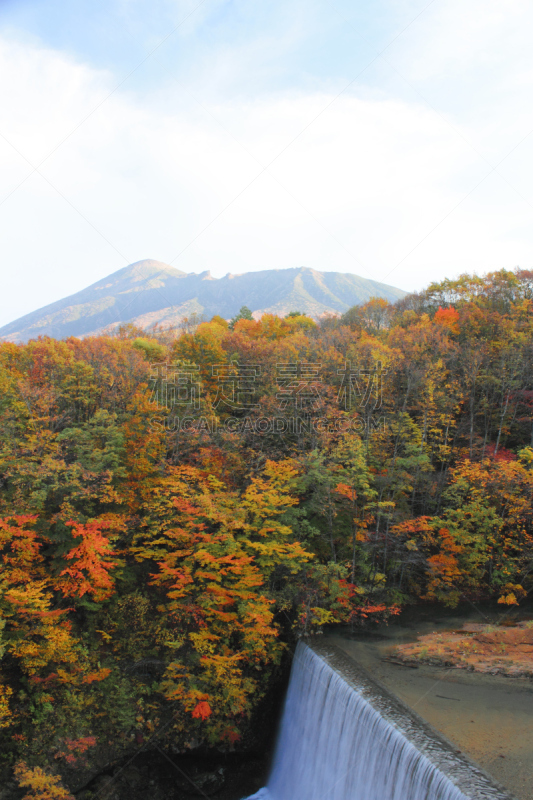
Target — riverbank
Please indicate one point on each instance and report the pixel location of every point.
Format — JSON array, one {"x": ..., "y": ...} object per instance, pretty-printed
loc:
[{"x": 489, "y": 649}]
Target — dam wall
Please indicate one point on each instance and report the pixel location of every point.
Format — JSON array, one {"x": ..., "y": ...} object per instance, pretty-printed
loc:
[{"x": 343, "y": 736}]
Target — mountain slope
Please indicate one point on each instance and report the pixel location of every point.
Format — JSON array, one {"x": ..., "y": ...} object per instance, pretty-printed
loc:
[{"x": 150, "y": 292}]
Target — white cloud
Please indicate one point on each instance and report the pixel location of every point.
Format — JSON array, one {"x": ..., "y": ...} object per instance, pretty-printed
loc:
[
  {"x": 479, "y": 51},
  {"x": 359, "y": 190}
]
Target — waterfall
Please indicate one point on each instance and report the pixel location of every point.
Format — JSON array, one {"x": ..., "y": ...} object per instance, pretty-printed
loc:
[{"x": 336, "y": 744}]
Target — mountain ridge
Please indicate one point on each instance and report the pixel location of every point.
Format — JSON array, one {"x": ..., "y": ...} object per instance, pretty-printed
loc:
[{"x": 148, "y": 292}]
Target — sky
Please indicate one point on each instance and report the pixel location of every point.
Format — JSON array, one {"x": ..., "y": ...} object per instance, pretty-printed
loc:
[{"x": 392, "y": 139}]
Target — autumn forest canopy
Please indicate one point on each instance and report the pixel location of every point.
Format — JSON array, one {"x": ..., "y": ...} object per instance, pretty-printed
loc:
[{"x": 178, "y": 506}]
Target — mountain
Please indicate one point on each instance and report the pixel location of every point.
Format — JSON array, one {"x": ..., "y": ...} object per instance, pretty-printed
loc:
[{"x": 150, "y": 292}]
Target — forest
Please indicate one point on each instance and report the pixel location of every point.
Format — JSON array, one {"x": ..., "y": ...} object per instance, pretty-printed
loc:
[{"x": 179, "y": 506}]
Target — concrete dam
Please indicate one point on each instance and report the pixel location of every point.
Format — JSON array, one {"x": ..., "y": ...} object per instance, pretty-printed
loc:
[{"x": 343, "y": 736}]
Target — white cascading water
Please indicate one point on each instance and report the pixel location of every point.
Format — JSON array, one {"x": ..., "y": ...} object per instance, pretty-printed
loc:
[{"x": 333, "y": 745}]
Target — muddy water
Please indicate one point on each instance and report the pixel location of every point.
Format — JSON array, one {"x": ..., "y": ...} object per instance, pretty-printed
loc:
[{"x": 489, "y": 718}]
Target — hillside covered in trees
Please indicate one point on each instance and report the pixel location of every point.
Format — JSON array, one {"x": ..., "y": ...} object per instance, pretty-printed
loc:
[{"x": 176, "y": 509}]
